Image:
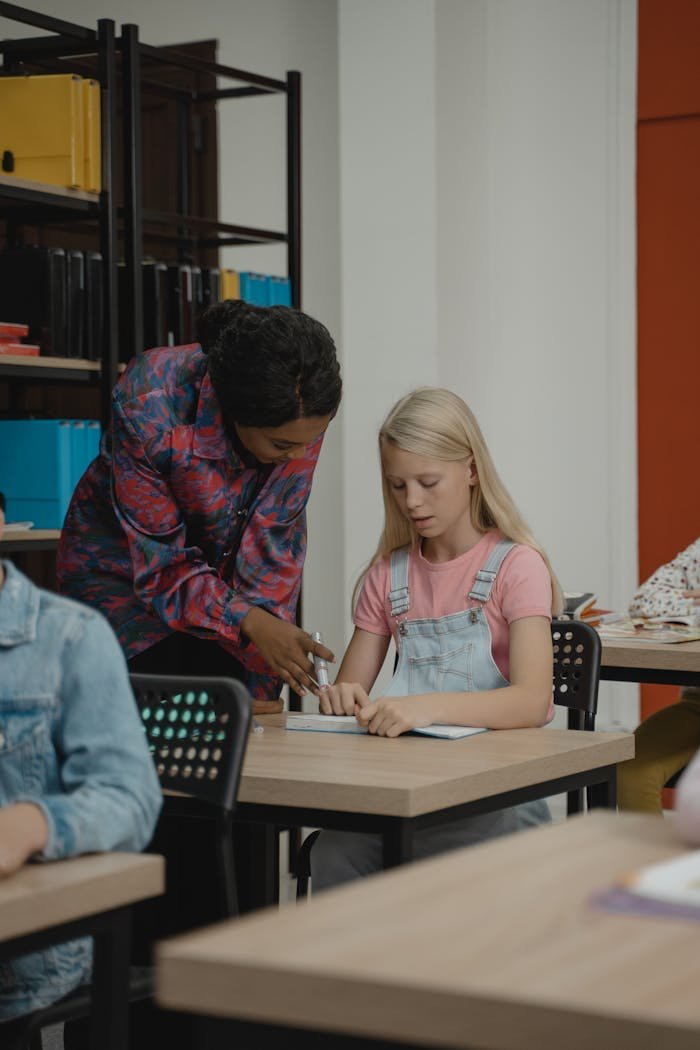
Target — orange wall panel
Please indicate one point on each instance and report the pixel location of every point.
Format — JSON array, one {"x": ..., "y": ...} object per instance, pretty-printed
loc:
[
  {"x": 669, "y": 58},
  {"x": 668, "y": 313},
  {"x": 668, "y": 288}
]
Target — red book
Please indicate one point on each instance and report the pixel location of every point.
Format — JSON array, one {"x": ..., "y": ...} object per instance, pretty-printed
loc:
[{"x": 12, "y": 333}]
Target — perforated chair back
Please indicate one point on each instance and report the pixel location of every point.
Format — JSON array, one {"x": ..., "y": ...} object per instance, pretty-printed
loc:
[
  {"x": 576, "y": 674},
  {"x": 197, "y": 729}
]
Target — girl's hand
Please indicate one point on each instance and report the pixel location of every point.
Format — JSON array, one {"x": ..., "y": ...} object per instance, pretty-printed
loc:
[
  {"x": 285, "y": 647},
  {"x": 342, "y": 699},
  {"x": 23, "y": 832},
  {"x": 394, "y": 715}
]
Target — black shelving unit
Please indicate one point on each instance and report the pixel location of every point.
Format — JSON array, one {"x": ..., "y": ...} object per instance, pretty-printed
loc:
[
  {"x": 192, "y": 231},
  {"x": 23, "y": 204},
  {"x": 117, "y": 63}
]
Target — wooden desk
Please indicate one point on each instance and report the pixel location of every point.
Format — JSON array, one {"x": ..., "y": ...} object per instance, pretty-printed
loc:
[
  {"x": 397, "y": 787},
  {"x": 677, "y": 664},
  {"x": 494, "y": 946},
  {"x": 45, "y": 904}
]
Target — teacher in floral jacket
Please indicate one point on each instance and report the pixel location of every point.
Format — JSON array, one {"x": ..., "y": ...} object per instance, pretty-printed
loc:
[{"x": 188, "y": 531}]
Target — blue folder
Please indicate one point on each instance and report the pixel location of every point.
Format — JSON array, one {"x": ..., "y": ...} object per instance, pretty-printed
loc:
[
  {"x": 35, "y": 470},
  {"x": 254, "y": 288},
  {"x": 279, "y": 291}
]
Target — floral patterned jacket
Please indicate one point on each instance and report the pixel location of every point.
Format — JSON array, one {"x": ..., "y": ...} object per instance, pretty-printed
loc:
[
  {"x": 170, "y": 530},
  {"x": 662, "y": 594}
]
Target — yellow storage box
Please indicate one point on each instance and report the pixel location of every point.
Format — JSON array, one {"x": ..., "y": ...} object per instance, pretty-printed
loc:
[{"x": 43, "y": 126}]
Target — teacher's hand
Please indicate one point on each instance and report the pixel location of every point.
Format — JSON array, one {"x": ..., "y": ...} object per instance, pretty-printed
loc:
[{"x": 285, "y": 647}]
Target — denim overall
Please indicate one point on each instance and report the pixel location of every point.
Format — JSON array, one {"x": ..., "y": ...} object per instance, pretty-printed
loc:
[{"x": 447, "y": 654}]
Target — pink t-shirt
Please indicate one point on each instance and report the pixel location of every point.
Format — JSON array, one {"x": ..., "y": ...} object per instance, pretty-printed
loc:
[{"x": 523, "y": 587}]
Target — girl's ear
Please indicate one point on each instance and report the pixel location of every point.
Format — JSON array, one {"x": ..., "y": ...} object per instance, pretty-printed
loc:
[{"x": 472, "y": 472}]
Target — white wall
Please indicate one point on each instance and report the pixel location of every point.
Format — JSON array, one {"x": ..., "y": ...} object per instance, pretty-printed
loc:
[
  {"x": 487, "y": 243},
  {"x": 469, "y": 221}
]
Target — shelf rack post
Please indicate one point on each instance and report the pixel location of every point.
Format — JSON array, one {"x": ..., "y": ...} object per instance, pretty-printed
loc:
[
  {"x": 133, "y": 188},
  {"x": 108, "y": 212},
  {"x": 294, "y": 184}
]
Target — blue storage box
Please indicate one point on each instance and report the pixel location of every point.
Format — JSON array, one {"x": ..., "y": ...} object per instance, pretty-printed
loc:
[
  {"x": 254, "y": 288},
  {"x": 41, "y": 461},
  {"x": 279, "y": 291}
]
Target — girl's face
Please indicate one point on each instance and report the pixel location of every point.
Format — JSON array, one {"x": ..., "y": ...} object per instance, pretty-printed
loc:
[
  {"x": 434, "y": 494},
  {"x": 282, "y": 444}
]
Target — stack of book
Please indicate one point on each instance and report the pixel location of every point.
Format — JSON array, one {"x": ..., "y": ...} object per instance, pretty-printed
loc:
[
  {"x": 581, "y": 605},
  {"x": 12, "y": 338}
]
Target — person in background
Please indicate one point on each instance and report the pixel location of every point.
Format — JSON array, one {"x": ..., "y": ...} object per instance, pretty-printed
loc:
[
  {"x": 76, "y": 775},
  {"x": 687, "y": 806},
  {"x": 466, "y": 594},
  {"x": 189, "y": 530},
  {"x": 667, "y": 740}
]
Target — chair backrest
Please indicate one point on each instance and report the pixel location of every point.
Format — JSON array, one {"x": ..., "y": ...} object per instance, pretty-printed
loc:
[
  {"x": 577, "y": 649},
  {"x": 197, "y": 730}
]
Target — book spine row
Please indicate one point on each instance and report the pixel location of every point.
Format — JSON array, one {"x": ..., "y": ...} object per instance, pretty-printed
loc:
[{"x": 57, "y": 294}]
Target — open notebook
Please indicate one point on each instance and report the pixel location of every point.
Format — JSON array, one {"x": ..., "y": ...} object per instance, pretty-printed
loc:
[{"x": 349, "y": 724}]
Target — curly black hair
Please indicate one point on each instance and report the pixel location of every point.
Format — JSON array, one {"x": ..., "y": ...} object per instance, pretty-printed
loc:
[{"x": 269, "y": 365}]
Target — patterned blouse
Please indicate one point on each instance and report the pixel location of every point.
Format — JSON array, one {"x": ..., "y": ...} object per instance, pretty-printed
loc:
[
  {"x": 662, "y": 594},
  {"x": 170, "y": 529}
]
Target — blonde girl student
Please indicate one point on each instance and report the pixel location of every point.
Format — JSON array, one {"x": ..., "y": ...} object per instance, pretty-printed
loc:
[{"x": 467, "y": 595}]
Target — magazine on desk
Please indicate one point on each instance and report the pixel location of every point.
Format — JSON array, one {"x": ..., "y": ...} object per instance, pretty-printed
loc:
[
  {"x": 349, "y": 724},
  {"x": 670, "y": 888},
  {"x": 637, "y": 629}
]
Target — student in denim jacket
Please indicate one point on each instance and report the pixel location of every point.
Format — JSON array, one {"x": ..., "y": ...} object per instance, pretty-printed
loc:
[{"x": 75, "y": 772}]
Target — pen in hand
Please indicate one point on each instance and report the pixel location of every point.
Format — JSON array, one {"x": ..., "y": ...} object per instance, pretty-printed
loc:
[{"x": 320, "y": 665}]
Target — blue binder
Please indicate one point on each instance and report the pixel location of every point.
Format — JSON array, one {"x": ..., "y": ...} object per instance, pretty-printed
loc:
[
  {"x": 279, "y": 291},
  {"x": 35, "y": 470},
  {"x": 93, "y": 437},
  {"x": 255, "y": 288},
  {"x": 77, "y": 451}
]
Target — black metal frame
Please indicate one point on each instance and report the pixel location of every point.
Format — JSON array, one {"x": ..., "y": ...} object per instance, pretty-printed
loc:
[
  {"x": 651, "y": 676},
  {"x": 223, "y": 1033},
  {"x": 111, "y": 930},
  {"x": 398, "y": 832},
  {"x": 189, "y": 230}
]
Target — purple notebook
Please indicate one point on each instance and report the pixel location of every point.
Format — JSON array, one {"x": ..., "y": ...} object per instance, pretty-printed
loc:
[{"x": 620, "y": 900}]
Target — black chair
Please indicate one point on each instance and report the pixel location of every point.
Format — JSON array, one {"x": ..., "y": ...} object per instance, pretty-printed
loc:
[
  {"x": 576, "y": 673},
  {"x": 197, "y": 731}
]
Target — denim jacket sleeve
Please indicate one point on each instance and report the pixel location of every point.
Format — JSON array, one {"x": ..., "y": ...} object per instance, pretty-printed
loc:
[{"x": 111, "y": 795}]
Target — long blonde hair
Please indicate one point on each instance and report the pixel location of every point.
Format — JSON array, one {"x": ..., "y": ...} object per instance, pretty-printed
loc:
[{"x": 436, "y": 423}]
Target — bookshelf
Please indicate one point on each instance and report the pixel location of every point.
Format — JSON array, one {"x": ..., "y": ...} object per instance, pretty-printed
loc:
[{"x": 124, "y": 66}]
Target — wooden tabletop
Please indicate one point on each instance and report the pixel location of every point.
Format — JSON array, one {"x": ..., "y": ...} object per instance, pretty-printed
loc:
[
  {"x": 494, "y": 946},
  {"x": 679, "y": 656},
  {"x": 44, "y": 895},
  {"x": 409, "y": 776}
]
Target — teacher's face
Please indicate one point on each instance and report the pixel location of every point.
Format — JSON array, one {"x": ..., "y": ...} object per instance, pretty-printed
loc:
[{"x": 281, "y": 444}]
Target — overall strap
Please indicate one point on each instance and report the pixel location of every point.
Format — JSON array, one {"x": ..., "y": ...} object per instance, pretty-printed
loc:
[
  {"x": 484, "y": 580},
  {"x": 399, "y": 594}
]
